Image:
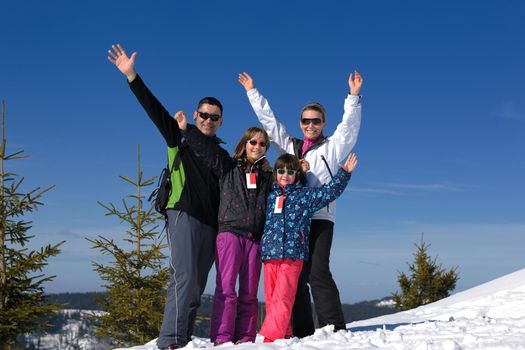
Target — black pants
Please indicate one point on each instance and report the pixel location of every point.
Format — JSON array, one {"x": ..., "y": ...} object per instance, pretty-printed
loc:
[{"x": 316, "y": 271}]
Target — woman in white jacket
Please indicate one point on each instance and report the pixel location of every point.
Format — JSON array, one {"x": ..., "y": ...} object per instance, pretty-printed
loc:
[{"x": 323, "y": 154}]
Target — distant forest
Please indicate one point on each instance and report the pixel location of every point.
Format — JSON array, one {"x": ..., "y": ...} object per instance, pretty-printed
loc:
[{"x": 91, "y": 301}]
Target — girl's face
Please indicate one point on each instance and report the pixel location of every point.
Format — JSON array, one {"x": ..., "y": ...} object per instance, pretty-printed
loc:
[
  {"x": 256, "y": 147},
  {"x": 285, "y": 176}
]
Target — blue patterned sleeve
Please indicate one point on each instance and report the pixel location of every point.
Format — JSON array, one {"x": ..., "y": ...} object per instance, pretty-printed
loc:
[{"x": 321, "y": 196}]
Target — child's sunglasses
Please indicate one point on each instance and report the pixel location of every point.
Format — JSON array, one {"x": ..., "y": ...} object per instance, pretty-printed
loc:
[
  {"x": 213, "y": 117},
  {"x": 282, "y": 171},
  {"x": 254, "y": 142}
]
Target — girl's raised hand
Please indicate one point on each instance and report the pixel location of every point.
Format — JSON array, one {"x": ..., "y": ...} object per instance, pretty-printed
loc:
[{"x": 350, "y": 163}]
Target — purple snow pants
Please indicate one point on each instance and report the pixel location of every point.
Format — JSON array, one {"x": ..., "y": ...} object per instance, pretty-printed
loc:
[{"x": 234, "y": 318}]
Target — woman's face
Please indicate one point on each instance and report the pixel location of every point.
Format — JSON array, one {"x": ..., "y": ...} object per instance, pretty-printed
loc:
[
  {"x": 256, "y": 147},
  {"x": 285, "y": 176},
  {"x": 312, "y": 124}
]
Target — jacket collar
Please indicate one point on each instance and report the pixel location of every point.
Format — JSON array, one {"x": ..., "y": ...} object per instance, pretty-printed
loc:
[
  {"x": 260, "y": 164},
  {"x": 298, "y": 145},
  {"x": 287, "y": 190}
]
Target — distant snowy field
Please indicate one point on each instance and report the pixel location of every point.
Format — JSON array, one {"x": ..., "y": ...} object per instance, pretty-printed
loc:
[{"x": 490, "y": 316}]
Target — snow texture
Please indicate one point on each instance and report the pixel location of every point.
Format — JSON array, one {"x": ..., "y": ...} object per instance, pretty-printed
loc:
[{"x": 489, "y": 316}]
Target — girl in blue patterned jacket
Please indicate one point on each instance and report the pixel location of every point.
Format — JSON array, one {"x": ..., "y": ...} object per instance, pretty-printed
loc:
[{"x": 289, "y": 211}]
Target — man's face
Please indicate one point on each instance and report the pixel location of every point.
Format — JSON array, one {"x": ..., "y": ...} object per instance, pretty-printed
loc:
[
  {"x": 207, "y": 126},
  {"x": 312, "y": 124}
]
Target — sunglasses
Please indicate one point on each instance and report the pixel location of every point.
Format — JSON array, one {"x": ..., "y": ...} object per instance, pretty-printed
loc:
[
  {"x": 255, "y": 142},
  {"x": 314, "y": 121},
  {"x": 283, "y": 171},
  {"x": 213, "y": 117}
]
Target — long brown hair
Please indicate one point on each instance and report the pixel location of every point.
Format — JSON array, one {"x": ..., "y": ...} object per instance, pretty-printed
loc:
[{"x": 240, "y": 149}]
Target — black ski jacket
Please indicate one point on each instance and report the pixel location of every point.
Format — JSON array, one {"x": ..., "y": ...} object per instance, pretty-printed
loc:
[
  {"x": 195, "y": 189},
  {"x": 241, "y": 210}
]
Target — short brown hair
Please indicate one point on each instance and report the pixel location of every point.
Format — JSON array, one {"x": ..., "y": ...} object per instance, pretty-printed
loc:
[
  {"x": 315, "y": 106},
  {"x": 210, "y": 101},
  {"x": 240, "y": 149},
  {"x": 291, "y": 162}
]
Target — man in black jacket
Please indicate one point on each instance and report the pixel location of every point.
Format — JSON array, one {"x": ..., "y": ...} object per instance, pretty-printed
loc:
[{"x": 192, "y": 206}]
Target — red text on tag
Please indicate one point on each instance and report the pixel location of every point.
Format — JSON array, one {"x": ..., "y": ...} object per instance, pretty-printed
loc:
[
  {"x": 279, "y": 202},
  {"x": 251, "y": 180}
]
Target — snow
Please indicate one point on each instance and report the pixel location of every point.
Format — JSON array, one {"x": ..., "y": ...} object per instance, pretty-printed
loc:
[
  {"x": 76, "y": 333},
  {"x": 386, "y": 303},
  {"x": 489, "y": 316}
]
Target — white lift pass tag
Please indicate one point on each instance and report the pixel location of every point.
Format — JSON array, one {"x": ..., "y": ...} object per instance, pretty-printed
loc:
[
  {"x": 251, "y": 180},
  {"x": 279, "y": 202}
]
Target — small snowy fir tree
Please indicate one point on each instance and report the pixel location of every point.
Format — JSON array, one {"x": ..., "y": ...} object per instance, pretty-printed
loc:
[
  {"x": 135, "y": 280},
  {"x": 23, "y": 304},
  {"x": 428, "y": 281}
]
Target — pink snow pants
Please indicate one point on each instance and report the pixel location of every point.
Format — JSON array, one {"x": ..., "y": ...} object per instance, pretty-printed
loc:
[{"x": 280, "y": 286}]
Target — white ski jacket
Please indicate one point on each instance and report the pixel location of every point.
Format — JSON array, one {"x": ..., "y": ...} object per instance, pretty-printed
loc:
[{"x": 325, "y": 155}]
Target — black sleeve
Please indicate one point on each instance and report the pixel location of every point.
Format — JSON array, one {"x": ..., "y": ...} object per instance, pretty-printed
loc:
[
  {"x": 207, "y": 149},
  {"x": 168, "y": 126}
]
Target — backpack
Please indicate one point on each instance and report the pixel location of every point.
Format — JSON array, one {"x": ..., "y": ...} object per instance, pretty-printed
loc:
[{"x": 161, "y": 194}]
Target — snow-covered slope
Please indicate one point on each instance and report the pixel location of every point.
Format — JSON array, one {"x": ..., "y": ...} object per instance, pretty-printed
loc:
[
  {"x": 490, "y": 316},
  {"x": 501, "y": 298}
]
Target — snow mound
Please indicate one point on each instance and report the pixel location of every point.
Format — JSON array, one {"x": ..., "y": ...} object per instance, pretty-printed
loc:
[{"x": 489, "y": 316}]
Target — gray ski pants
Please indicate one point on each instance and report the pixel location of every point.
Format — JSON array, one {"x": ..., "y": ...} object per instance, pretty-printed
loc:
[{"x": 192, "y": 246}]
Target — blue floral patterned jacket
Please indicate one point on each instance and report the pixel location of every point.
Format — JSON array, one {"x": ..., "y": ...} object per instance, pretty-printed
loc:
[{"x": 286, "y": 234}]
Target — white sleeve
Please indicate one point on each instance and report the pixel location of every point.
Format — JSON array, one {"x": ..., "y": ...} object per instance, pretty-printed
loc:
[
  {"x": 275, "y": 129},
  {"x": 345, "y": 136}
]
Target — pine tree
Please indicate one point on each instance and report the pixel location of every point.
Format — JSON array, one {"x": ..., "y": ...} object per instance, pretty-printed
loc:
[
  {"x": 135, "y": 280},
  {"x": 428, "y": 281},
  {"x": 23, "y": 303}
]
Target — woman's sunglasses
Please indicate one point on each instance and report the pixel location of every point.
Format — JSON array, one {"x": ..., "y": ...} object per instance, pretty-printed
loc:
[
  {"x": 255, "y": 142},
  {"x": 213, "y": 117},
  {"x": 283, "y": 171},
  {"x": 314, "y": 121}
]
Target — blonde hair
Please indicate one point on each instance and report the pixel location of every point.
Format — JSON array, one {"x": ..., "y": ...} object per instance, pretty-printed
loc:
[{"x": 315, "y": 106}]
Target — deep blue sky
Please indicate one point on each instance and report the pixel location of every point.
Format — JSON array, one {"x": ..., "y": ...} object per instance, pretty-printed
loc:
[{"x": 441, "y": 143}]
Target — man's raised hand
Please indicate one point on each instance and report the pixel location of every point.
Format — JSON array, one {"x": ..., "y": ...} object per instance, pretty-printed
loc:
[
  {"x": 182, "y": 120},
  {"x": 120, "y": 59},
  {"x": 246, "y": 81}
]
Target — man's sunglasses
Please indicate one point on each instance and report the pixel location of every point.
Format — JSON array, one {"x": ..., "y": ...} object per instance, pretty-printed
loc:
[
  {"x": 255, "y": 142},
  {"x": 213, "y": 117},
  {"x": 283, "y": 171},
  {"x": 315, "y": 121}
]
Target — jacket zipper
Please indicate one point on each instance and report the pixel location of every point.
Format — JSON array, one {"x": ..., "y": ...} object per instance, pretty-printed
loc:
[
  {"x": 332, "y": 176},
  {"x": 284, "y": 224}
]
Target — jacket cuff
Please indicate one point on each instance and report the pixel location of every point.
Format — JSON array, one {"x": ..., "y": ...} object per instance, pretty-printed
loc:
[
  {"x": 189, "y": 128},
  {"x": 353, "y": 100},
  {"x": 135, "y": 82},
  {"x": 342, "y": 173},
  {"x": 252, "y": 92}
]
